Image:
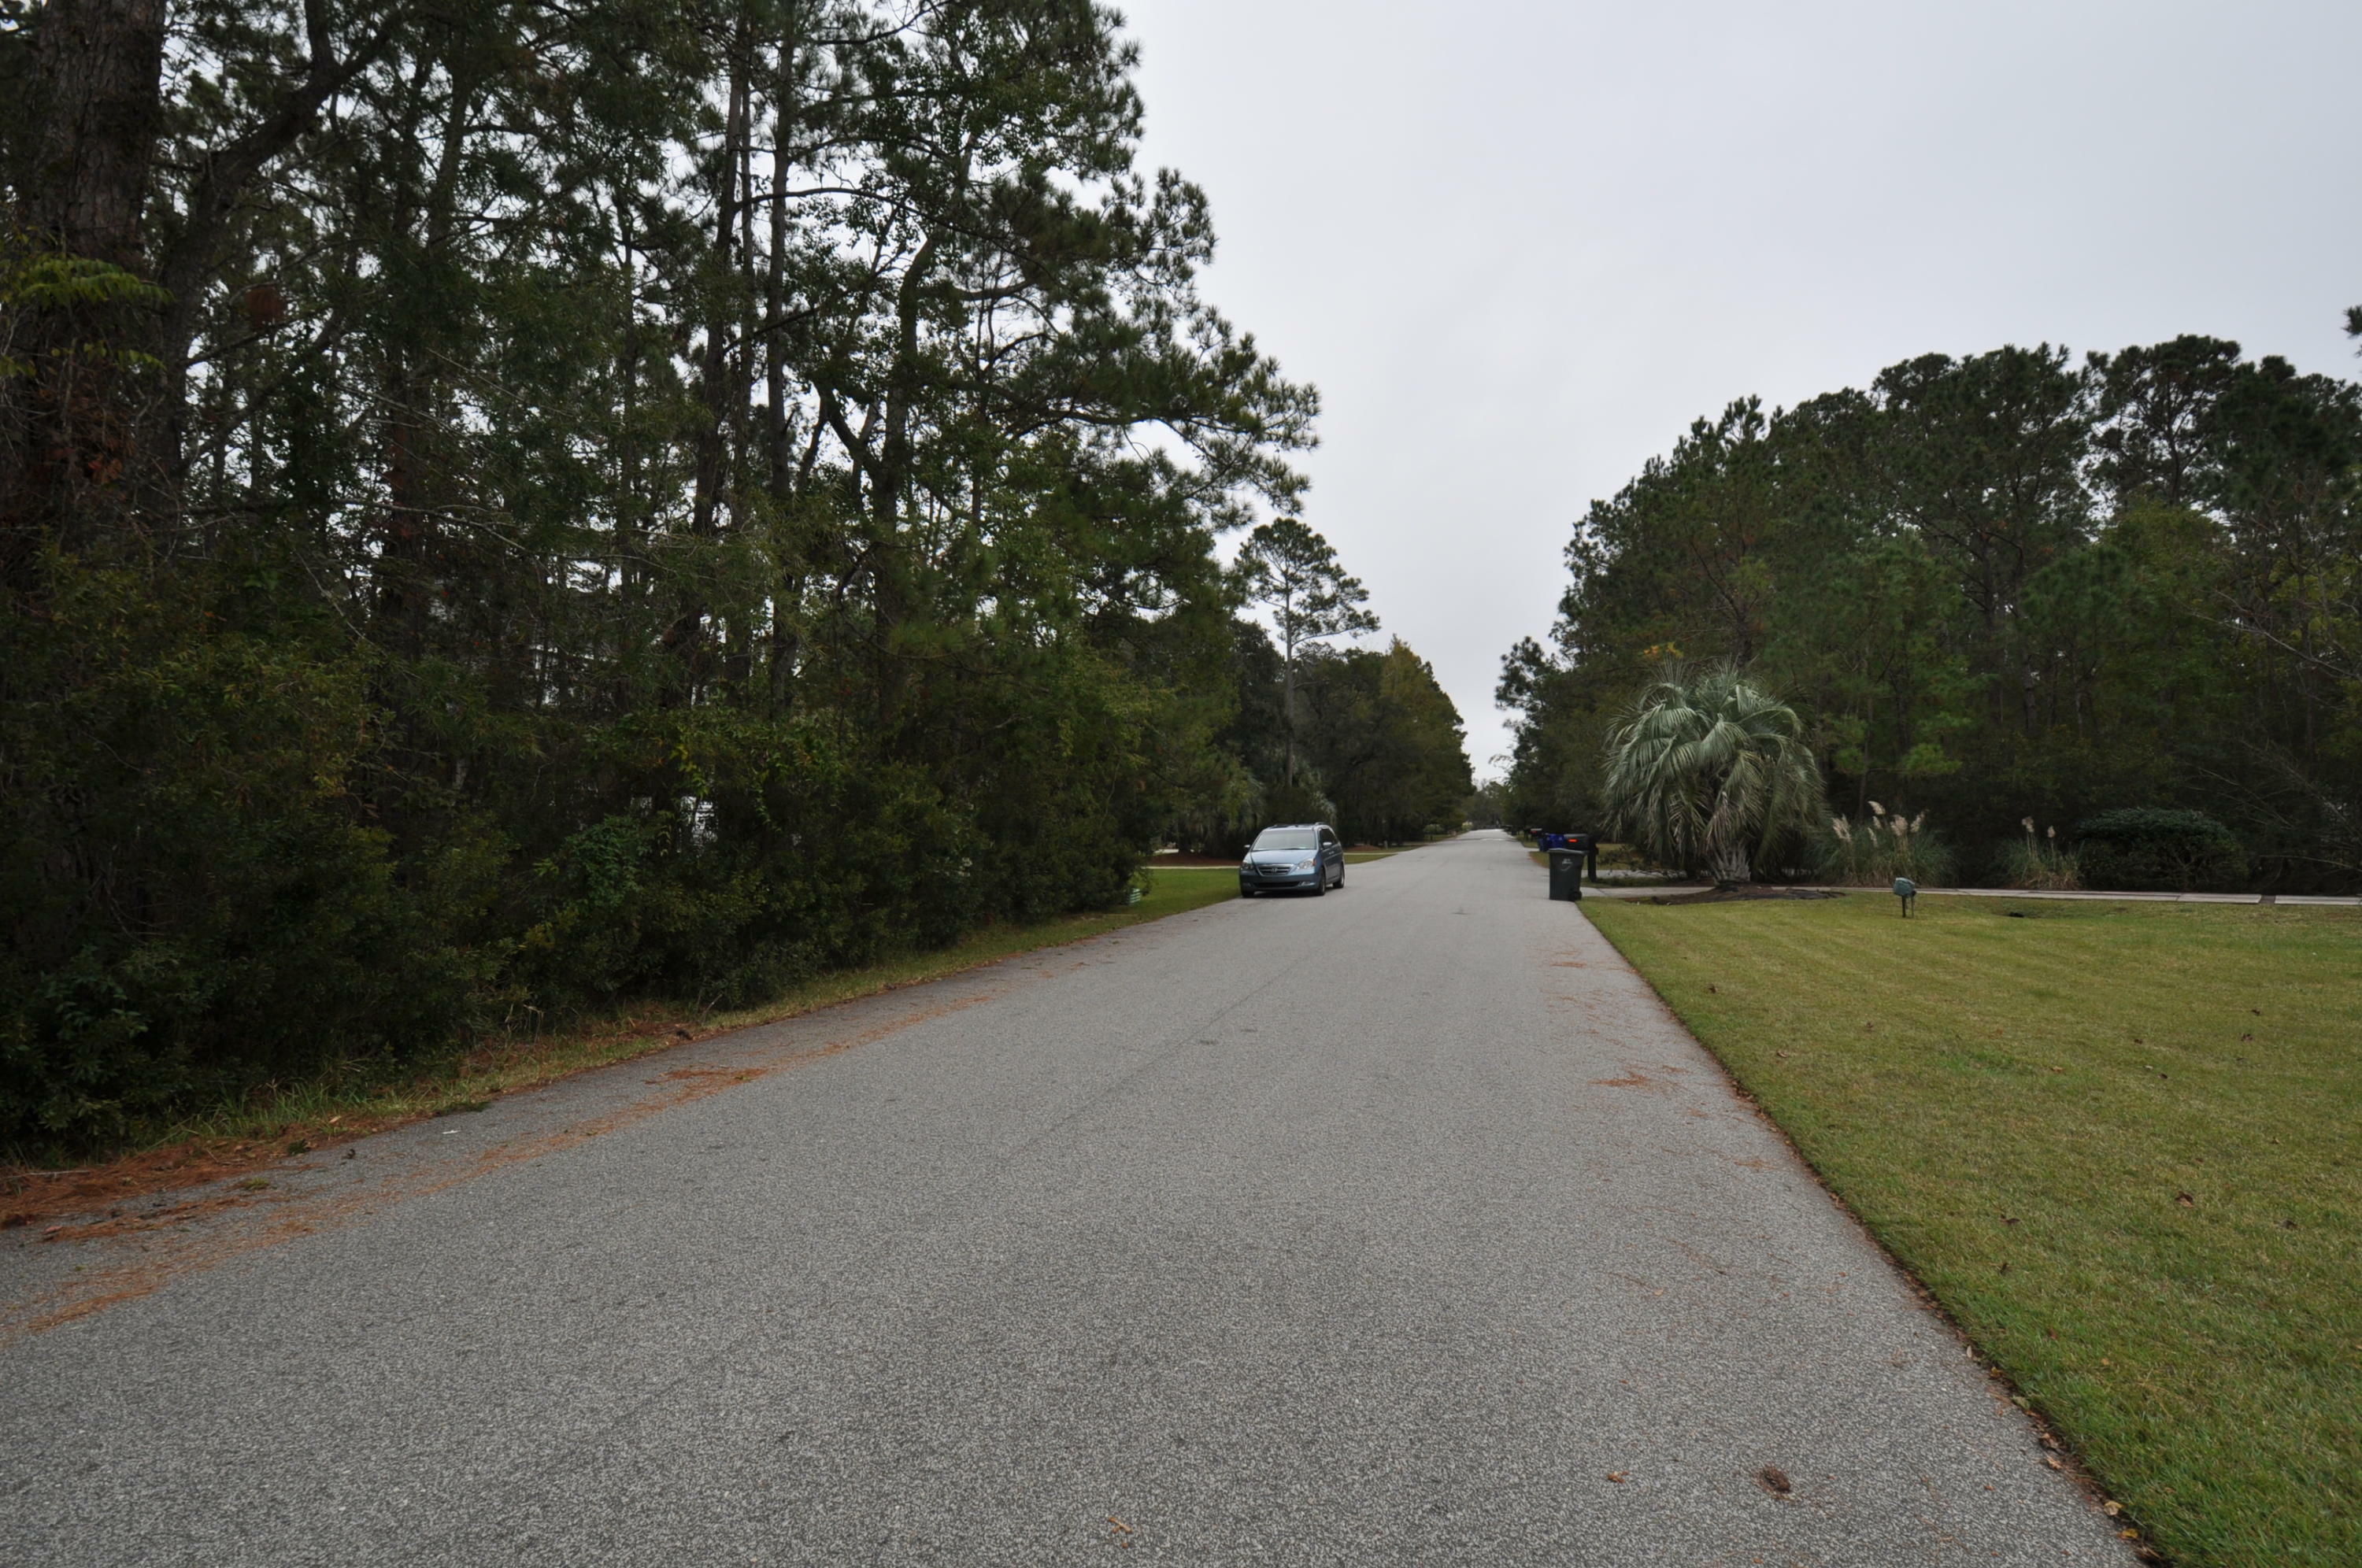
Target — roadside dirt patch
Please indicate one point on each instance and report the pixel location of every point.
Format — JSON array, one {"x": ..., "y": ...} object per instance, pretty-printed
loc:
[
  {"x": 192, "y": 1237},
  {"x": 50, "y": 1198},
  {"x": 704, "y": 1075},
  {"x": 91, "y": 1194}
]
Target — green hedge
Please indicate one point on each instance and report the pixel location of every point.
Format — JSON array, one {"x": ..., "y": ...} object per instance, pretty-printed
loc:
[{"x": 2148, "y": 849}]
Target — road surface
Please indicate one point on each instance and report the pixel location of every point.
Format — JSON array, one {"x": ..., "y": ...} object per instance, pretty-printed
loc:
[{"x": 1398, "y": 1226}]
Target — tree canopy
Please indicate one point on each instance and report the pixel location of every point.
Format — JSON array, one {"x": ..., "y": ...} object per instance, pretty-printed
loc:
[
  {"x": 516, "y": 506},
  {"x": 1292, "y": 574},
  {"x": 2006, "y": 586},
  {"x": 1385, "y": 742}
]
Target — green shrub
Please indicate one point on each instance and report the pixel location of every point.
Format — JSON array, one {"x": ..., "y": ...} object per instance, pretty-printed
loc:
[
  {"x": 2148, "y": 849},
  {"x": 228, "y": 861},
  {"x": 197, "y": 901}
]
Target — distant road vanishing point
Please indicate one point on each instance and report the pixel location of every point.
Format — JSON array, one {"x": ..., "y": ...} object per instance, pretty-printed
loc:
[{"x": 1398, "y": 1226}]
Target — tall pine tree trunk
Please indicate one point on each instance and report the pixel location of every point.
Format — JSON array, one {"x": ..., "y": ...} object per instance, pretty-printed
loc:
[
  {"x": 99, "y": 65},
  {"x": 688, "y": 639},
  {"x": 409, "y": 566},
  {"x": 68, "y": 462},
  {"x": 779, "y": 435}
]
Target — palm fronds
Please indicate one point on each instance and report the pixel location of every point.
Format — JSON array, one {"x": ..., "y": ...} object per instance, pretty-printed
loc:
[{"x": 1708, "y": 769}]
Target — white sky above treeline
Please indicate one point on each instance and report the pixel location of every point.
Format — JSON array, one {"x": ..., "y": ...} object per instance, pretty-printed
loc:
[{"x": 1520, "y": 246}]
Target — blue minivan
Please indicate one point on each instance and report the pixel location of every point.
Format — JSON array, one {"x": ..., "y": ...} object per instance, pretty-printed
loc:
[{"x": 1299, "y": 857}]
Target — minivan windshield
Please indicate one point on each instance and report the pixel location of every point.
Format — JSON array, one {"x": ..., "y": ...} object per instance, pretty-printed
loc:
[{"x": 1288, "y": 838}]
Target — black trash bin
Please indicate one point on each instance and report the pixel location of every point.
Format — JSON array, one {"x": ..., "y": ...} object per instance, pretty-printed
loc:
[{"x": 1566, "y": 874}]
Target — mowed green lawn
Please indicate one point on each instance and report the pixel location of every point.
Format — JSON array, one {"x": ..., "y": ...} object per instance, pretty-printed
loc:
[{"x": 2121, "y": 1143}]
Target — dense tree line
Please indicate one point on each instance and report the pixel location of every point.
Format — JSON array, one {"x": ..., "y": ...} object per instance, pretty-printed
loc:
[
  {"x": 1366, "y": 740},
  {"x": 511, "y": 506},
  {"x": 2006, "y": 587},
  {"x": 1380, "y": 751}
]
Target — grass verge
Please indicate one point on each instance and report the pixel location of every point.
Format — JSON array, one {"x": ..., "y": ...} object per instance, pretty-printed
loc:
[
  {"x": 264, "y": 1129},
  {"x": 2122, "y": 1143}
]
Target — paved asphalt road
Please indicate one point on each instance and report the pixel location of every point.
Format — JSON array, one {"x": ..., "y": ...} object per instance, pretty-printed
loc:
[{"x": 1398, "y": 1226}]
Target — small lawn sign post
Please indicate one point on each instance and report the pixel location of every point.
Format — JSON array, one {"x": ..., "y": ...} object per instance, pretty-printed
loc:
[{"x": 1908, "y": 891}]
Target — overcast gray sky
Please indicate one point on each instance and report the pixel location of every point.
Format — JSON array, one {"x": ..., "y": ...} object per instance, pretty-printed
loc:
[{"x": 1519, "y": 246}]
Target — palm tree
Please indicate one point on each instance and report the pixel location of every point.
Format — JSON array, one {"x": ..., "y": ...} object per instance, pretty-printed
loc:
[{"x": 1706, "y": 769}]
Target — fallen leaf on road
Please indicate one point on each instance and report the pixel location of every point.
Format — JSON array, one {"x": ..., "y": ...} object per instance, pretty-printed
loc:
[
  {"x": 1776, "y": 1479},
  {"x": 1619, "y": 1476}
]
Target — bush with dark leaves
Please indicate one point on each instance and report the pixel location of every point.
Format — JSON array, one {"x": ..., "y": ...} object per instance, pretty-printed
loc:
[{"x": 2150, "y": 849}]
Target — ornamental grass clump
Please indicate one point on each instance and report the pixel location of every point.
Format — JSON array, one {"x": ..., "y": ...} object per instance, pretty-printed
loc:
[
  {"x": 1882, "y": 847},
  {"x": 2041, "y": 864}
]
